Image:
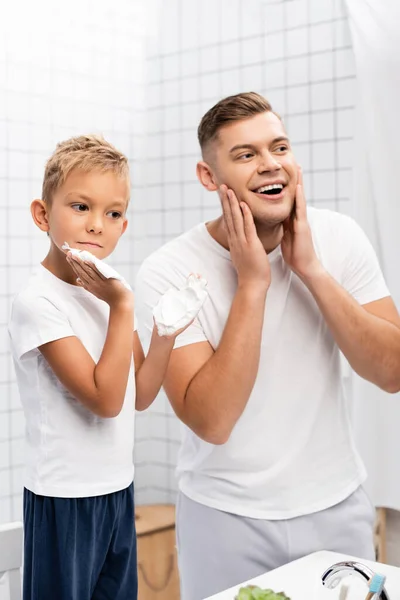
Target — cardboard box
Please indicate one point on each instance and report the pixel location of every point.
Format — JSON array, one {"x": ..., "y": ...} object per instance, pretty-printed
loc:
[{"x": 157, "y": 560}]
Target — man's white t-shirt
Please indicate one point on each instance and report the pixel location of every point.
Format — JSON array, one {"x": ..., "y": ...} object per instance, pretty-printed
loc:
[
  {"x": 70, "y": 451},
  {"x": 291, "y": 452}
]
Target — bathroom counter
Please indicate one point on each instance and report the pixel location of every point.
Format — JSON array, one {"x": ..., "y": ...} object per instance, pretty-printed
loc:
[{"x": 301, "y": 579}]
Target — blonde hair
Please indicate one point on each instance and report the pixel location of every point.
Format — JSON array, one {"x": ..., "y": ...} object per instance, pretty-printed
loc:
[
  {"x": 230, "y": 109},
  {"x": 87, "y": 153}
]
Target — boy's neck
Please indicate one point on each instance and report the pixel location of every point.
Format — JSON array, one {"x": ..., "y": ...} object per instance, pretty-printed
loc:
[{"x": 56, "y": 263}]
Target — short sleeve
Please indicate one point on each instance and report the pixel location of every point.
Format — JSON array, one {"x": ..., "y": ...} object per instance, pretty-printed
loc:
[
  {"x": 151, "y": 283},
  {"x": 36, "y": 321},
  {"x": 361, "y": 274}
]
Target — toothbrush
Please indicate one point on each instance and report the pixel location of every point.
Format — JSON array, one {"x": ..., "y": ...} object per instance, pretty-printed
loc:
[
  {"x": 344, "y": 592},
  {"x": 376, "y": 586}
]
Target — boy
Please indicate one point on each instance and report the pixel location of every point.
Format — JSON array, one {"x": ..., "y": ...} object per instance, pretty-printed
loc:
[{"x": 72, "y": 334}]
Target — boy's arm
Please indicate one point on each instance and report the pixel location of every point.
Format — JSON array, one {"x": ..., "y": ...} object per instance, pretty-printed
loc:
[
  {"x": 150, "y": 371},
  {"x": 100, "y": 387}
]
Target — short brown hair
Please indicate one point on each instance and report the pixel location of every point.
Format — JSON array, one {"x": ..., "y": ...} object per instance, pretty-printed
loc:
[
  {"x": 228, "y": 110},
  {"x": 86, "y": 152}
]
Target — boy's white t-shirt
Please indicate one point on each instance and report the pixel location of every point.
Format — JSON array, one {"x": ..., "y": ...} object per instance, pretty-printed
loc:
[
  {"x": 70, "y": 451},
  {"x": 291, "y": 452}
]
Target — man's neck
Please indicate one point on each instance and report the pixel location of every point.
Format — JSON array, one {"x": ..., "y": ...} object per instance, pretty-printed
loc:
[{"x": 270, "y": 236}]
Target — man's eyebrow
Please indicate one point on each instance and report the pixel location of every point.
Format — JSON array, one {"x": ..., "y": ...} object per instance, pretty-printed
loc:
[
  {"x": 242, "y": 147},
  {"x": 282, "y": 138}
]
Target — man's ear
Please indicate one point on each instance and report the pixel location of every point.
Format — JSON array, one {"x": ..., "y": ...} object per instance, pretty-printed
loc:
[
  {"x": 206, "y": 176},
  {"x": 39, "y": 212}
]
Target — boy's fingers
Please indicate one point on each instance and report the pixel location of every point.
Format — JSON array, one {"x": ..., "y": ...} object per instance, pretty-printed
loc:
[
  {"x": 92, "y": 270},
  {"x": 79, "y": 272},
  {"x": 95, "y": 270},
  {"x": 89, "y": 268},
  {"x": 84, "y": 267}
]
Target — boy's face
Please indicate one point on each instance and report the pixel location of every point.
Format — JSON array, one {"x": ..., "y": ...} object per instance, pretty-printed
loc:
[
  {"x": 88, "y": 212},
  {"x": 250, "y": 155}
]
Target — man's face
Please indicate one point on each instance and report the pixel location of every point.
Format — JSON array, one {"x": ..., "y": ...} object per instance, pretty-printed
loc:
[
  {"x": 88, "y": 212},
  {"x": 253, "y": 157}
]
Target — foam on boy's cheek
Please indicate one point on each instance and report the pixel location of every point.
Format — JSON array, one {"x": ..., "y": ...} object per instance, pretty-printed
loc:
[{"x": 101, "y": 266}]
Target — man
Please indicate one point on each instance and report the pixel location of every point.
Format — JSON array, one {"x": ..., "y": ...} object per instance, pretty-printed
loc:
[{"x": 268, "y": 471}]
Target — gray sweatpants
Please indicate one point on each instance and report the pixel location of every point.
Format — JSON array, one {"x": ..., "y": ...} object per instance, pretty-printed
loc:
[{"x": 217, "y": 550}]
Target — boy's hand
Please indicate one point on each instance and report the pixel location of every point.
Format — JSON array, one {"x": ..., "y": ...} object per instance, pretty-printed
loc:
[
  {"x": 111, "y": 291},
  {"x": 169, "y": 339}
]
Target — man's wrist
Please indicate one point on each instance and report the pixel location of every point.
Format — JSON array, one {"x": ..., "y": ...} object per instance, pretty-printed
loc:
[
  {"x": 315, "y": 276},
  {"x": 253, "y": 289}
]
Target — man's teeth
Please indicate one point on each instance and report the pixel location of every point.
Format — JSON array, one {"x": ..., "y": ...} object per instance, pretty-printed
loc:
[{"x": 267, "y": 188}]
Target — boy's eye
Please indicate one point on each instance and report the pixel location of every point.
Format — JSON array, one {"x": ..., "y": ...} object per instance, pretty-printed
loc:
[
  {"x": 244, "y": 156},
  {"x": 114, "y": 214},
  {"x": 80, "y": 207},
  {"x": 281, "y": 148}
]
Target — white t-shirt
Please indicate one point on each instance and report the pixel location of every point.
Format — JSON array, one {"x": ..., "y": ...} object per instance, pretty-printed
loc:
[
  {"x": 291, "y": 451},
  {"x": 70, "y": 451}
]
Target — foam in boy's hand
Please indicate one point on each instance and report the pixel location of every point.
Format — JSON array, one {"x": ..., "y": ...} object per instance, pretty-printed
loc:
[
  {"x": 176, "y": 308},
  {"x": 101, "y": 266}
]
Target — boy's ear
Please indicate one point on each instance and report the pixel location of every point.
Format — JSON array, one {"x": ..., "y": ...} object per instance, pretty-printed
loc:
[
  {"x": 206, "y": 176},
  {"x": 40, "y": 214}
]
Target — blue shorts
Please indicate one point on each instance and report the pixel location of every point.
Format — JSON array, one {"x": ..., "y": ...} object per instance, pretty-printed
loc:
[{"x": 80, "y": 548}]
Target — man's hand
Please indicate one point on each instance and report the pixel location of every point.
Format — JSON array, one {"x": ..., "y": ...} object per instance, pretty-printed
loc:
[
  {"x": 297, "y": 244},
  {"x": 247, "y": 252}
]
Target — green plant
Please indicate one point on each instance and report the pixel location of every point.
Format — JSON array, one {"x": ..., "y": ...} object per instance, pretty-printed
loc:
[{"x": 252, "y": 592}]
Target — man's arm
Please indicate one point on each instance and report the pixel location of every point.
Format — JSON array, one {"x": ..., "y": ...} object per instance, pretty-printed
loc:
[
  {"x": 368, "y": 336},
  {"x": 209, "y": 390}
]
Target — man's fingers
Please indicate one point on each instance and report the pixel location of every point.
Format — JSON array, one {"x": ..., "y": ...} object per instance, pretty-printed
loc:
[
  {"x": 301, "y": 207},
  {"x": 237, "y": 215},
  {"x": 226, "y": 209},
  {"x": 248, "y": 222},
  {"x": 300, "y": 176}
]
